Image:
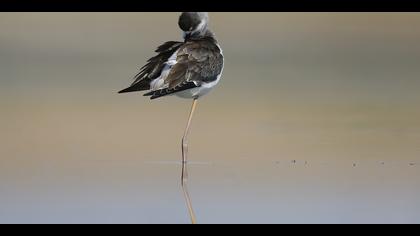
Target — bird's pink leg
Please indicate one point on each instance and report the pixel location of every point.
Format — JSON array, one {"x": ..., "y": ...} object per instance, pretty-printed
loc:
[{"x": 184, "y": 173}]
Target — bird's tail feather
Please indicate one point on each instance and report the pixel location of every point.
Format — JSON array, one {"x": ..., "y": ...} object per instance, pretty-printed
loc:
[{"x": 136, "y": 87}]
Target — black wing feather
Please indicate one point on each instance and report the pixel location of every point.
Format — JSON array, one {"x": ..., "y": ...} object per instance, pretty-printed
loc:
[
  {"x": 153, "y": 68},
  {"x": 163, "y": 92}
]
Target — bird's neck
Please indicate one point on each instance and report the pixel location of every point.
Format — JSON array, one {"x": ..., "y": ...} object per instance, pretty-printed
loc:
[{"x": 198, "y": 35}]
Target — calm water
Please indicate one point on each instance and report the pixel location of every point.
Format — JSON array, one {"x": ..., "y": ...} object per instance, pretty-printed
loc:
[{"x": 316, "y": 120}]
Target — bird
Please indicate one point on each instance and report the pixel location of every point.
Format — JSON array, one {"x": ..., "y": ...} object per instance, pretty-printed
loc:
[{"x": 188, "y": 69}]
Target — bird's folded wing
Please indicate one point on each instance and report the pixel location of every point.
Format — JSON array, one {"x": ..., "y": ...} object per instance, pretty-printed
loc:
[
  {"x": 178, "y": 88},
  {"x": 196, "y": 61},
  {"x": 153, "y": 68}
]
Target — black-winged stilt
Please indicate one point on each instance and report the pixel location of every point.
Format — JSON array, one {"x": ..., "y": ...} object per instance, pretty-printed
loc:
[{"x": 188, "y": 69}]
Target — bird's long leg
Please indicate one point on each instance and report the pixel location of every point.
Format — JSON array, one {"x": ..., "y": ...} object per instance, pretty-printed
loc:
[{"x": 184, "y": 174}]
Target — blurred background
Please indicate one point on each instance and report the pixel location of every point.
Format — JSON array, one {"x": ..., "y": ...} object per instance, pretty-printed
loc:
[{"x": 316, "y": 120}]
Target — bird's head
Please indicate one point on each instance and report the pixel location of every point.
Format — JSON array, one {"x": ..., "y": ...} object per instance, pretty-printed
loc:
[{"x": 193, "y": 23}]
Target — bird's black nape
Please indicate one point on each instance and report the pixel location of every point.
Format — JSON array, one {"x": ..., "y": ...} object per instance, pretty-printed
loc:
[{"x": 188, "y": 21}]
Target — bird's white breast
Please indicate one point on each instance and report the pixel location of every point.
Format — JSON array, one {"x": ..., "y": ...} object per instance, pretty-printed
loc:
[{"x": 199, "y": 91}]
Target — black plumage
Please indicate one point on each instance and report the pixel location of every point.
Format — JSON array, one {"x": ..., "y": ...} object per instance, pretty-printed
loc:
[
  {"x": 178, "y": 88},
  {"x": 153, "y": 67}
]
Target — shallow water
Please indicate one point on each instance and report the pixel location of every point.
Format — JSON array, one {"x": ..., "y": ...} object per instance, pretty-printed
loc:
[{"x": 315, "y": 121}]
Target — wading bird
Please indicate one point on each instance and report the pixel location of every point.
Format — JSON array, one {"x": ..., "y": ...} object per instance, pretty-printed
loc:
[{"x": 188, "y": 69}]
